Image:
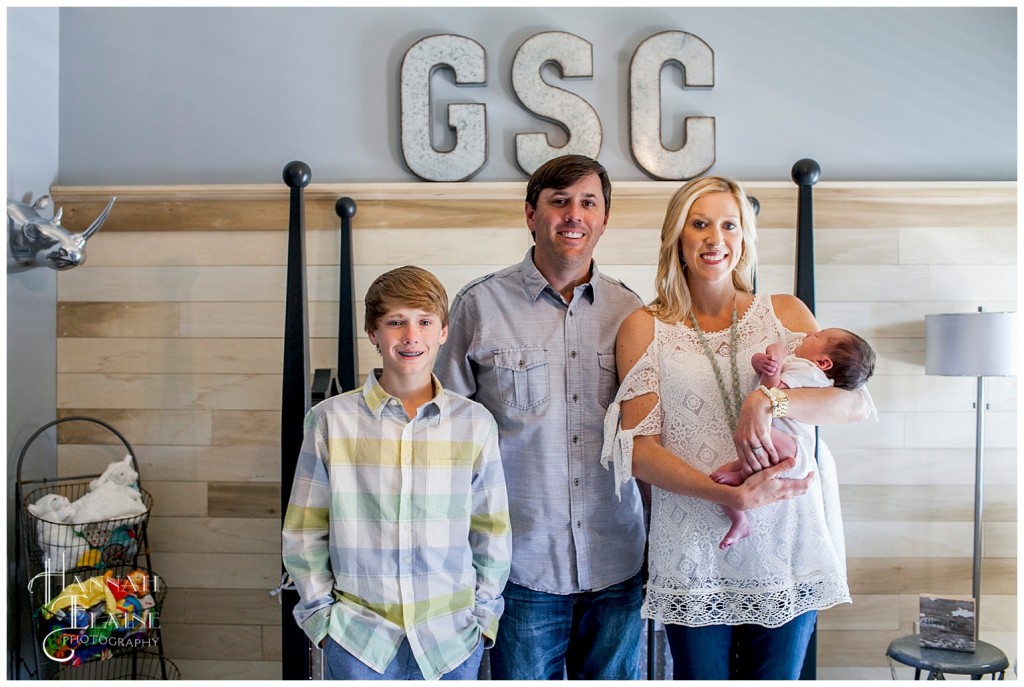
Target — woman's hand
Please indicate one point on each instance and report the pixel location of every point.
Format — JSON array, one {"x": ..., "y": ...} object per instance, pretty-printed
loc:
[
  {"x": 768, "y": 487},
  {"x": 753, "y": 435}
]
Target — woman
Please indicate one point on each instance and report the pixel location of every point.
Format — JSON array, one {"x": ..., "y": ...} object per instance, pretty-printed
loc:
[{"x": 688, "y": 405}]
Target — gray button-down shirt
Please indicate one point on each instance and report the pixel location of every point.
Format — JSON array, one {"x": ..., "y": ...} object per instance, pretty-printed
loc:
[{"x": 546, "y": 371}]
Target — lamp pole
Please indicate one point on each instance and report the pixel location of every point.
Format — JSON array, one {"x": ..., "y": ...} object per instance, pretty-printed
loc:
[{"x": 979, "y": 443}]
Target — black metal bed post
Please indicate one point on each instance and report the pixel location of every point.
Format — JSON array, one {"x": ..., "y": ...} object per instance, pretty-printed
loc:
[
  {"x": 806, "y": 173},
  {"x": 295, "y": 401},
  {"x": 347, "y": 373}
]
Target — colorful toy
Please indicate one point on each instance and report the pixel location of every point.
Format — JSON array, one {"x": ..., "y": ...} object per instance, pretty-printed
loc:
[
  {"x": 84, "y": 594},
  {"x": 109, "y": 613}
]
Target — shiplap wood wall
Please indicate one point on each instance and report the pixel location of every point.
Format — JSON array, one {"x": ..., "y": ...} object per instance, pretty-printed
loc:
[{"x": 172, "y": 332}]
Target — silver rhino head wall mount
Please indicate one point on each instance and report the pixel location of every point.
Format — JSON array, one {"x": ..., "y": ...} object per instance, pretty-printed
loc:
[{"x": 36, "y": 241}]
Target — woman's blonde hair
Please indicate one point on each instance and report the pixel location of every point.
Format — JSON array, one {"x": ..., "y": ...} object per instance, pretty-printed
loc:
[{"x": 673, "y": 302}]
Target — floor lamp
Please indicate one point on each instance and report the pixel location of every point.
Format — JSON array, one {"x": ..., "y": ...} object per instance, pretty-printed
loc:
[{"x": 974, "y": 344}]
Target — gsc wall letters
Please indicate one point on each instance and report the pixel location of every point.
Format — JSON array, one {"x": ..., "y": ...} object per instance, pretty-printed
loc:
[{"x": 574, "y": 58}]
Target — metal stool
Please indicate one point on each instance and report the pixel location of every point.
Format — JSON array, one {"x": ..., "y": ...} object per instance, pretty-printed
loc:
[{"x": 986, "y": 659}]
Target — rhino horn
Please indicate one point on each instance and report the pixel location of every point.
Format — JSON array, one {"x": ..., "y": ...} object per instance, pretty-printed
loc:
[{"x": 98, "y": 222}]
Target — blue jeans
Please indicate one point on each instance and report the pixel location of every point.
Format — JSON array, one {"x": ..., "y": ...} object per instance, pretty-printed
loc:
[
  {"x": 339, "y": 664},
  {"x": 740, "y": 652},
  {"x": 585, "y": 636}
]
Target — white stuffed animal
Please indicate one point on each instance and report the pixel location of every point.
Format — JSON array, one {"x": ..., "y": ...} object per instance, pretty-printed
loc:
[
  {"x": 55, "y": 538},
  {"x": 112, "y": 495},
  {"x": 119, "y": 472}
]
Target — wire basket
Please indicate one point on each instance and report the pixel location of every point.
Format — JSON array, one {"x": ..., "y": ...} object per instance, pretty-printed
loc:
[
  {"x": 59, "y": 545},
  {"x": 87, "y": 617},
  {"x": 144, "y": 665}
]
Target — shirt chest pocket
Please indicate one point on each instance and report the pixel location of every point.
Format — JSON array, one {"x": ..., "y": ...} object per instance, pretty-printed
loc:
[{"x": 523, "y": 377}]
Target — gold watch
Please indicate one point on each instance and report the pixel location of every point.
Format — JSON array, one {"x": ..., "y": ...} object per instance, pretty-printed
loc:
[{"x": 779, "y": 399}]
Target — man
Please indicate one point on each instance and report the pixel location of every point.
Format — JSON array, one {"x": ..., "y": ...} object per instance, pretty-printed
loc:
[{"x": 535, "y": 344}]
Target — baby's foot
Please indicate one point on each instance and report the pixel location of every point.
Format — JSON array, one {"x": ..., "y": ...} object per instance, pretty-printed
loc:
[
  {"x": 739, "y": 530},
  {"x": 727, "y": 477}
]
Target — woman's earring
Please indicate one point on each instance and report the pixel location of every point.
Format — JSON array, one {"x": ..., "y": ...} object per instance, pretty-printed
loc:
[{"x": 682, "y": 260}]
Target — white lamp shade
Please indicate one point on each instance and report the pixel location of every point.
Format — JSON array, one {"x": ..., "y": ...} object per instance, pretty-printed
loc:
[{"x": 971, "y": 344}]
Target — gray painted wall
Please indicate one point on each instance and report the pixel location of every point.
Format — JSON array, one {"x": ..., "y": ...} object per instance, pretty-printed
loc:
[
  {"x": 32, "y": 133},
  {"x": 230, "y": 95}
]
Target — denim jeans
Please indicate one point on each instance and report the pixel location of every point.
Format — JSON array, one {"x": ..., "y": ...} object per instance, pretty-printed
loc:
[
  {"x": 585, "y": 636},
  {"x": 740, "y": 652},
  {"x": 339, "y": 664}
]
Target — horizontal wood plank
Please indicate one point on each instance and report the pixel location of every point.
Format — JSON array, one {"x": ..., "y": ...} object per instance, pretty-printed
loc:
[
  {"x": 923, "y": 466},
  {"x": 217, "y": 606},
  {"x": 925, "y": 503},
  {"x": 927, "y": 539},
  {"x": 867, "y": 612},
  {"x": 211, "y": 642},
  {"x": 118, "y": 319},
  {"x": 214, "y": 534},
  {"x": 221, "y": 570},
  {"x": 182, "y": 391},
  {"x": 162, "y": 426},
  {"x": 169, "y": 355},
  {"x": 180, "y": 463},
  {"x": 934, "y": 574},
  {"x": 247, "y": 500},
  {"x": 853, "y": 648},
  {"x": 177, "y": 499},
  {"x": 246, "y": 427},
  {"x": 228, "y": 669},
  {"x": 498, "y": 204}
]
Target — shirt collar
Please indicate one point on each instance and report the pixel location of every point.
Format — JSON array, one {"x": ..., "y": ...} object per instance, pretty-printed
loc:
[
  {"x": 377, "y": 398},
  {"x": 535, "y": 283}
]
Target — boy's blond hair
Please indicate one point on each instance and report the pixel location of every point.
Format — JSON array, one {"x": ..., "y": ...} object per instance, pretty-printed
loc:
[{"x": 408, "y": 286}]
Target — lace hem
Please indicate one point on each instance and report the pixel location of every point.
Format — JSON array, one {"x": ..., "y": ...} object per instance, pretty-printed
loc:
[{"x": 767, "y": 608}]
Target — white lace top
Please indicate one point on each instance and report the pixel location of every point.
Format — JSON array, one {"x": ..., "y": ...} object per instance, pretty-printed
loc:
[{"x": 795, "y": 559}]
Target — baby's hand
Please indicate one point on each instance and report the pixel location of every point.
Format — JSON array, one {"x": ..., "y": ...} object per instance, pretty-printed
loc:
[{"x": 765, "y": 364}]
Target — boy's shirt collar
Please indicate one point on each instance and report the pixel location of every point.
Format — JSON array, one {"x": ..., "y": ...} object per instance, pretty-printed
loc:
[{"x": 377, "y": 398}]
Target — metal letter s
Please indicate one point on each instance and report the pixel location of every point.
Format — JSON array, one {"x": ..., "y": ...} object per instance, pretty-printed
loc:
[{"x": 574, "y": 56}]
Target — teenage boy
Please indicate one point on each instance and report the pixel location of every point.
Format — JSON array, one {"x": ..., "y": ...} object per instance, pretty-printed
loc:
[
  {"x": 535, "y": 343},
  {"x": 397, "y": 528}
]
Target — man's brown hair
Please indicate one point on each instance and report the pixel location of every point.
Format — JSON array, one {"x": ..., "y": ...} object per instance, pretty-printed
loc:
[{"x": 563, "y": 172}]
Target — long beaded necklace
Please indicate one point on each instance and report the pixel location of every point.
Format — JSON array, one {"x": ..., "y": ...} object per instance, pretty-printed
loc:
[{"x": 732, "y": 406}]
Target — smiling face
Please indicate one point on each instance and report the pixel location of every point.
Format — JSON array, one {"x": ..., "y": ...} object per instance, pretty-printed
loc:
[
  {"x": 567, "y": 224},
  {"x": 408, "y": 339},
  {"x": 711, "y": 242}
]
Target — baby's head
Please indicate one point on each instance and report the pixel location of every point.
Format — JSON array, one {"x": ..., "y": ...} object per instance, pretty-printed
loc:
[{"x": 845, "y": 358}]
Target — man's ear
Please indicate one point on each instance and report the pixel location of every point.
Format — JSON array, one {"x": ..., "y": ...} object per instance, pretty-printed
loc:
[
  {"x": 444, "y": 334},
  {"x": 531, "y": 213}
]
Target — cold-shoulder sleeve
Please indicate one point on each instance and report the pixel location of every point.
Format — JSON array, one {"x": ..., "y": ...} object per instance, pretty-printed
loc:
[{"x": 617, "y": 452}]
